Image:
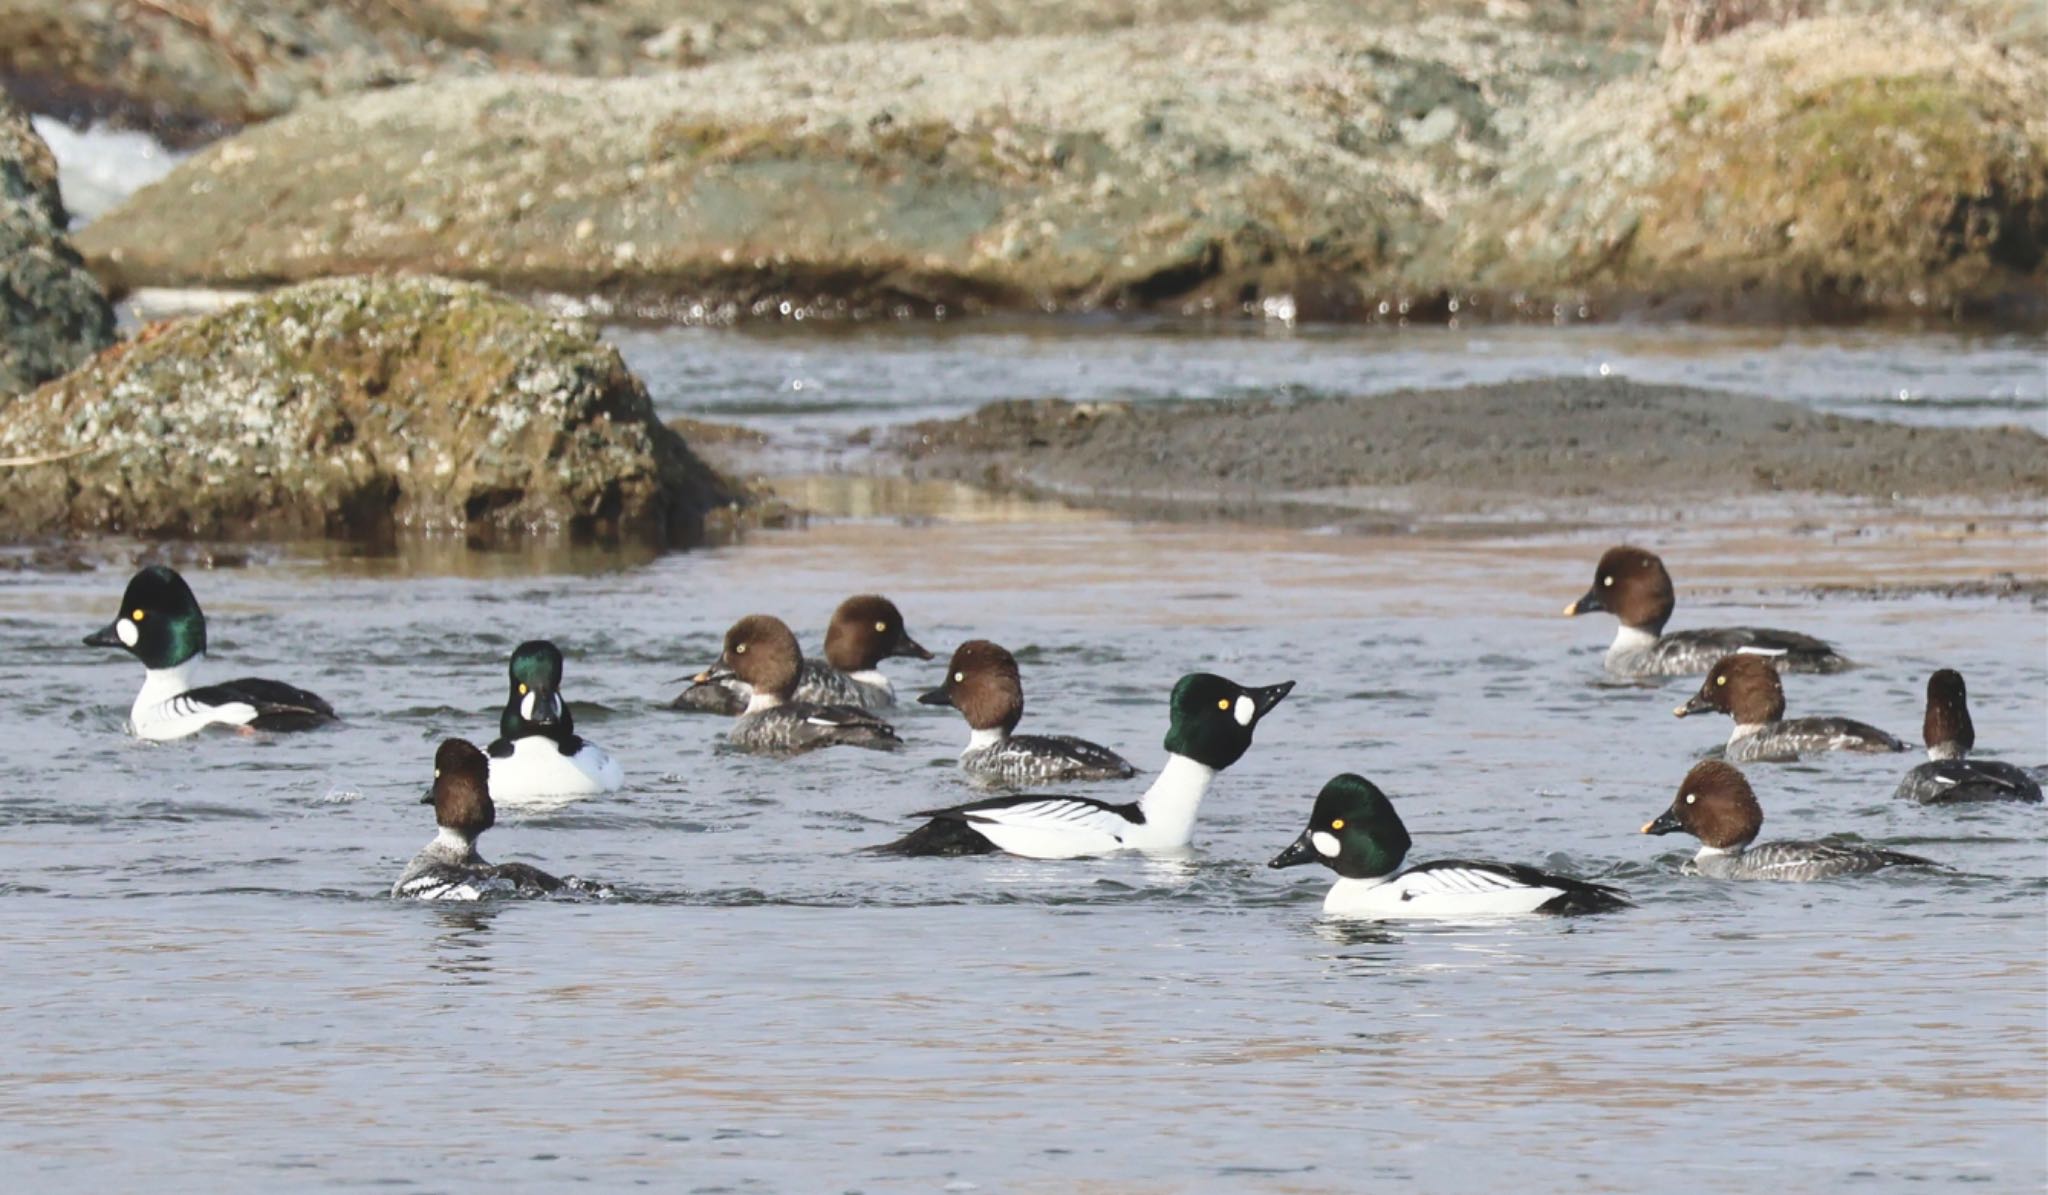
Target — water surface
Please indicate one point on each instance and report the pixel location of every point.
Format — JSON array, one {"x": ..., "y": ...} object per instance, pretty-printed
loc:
[{"x": 210, "y": 989}]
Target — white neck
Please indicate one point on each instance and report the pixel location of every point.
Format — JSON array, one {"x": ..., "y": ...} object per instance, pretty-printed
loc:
[
  {"x": 1939, "y": 751},
  {"x": 452, "y": 845},
  {"x": 761, "y": 700},
  {"x": 161, "y": 684},
  {"x": 873, "y": 679},
  {"x": 982, "y": 740},
  {"x": 1744, "y": 730},
  {"x": 1717, "y": 852},
  {"x": 1629, "y": 641},
  {"x": 1173, "y": 800}
]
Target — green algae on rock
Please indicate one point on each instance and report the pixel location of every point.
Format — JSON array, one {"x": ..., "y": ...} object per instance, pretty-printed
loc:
[
  {"x": 361, "y": 408},
  {"x": 53, "y": 313},
  {"x": 1832, "y": 167}
]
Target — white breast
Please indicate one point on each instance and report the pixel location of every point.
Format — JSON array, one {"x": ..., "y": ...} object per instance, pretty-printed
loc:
[
  {"x": 162, "y": 712},
  {"x": 537, "y": 769}
]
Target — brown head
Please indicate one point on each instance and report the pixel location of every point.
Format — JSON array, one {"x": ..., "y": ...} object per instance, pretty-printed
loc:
[
  {"x": 982, "y": 683},
  {"x": 1745, "y": 687},
  {"x": 1947, "y": 729},
  {"x": 866, "y": 629},
  {"x": 761, "y": 650},
  {"x": 1630, "y": 584},
  {"x": 462, "y": 789},
  {"x": 1715, "y": 805}
]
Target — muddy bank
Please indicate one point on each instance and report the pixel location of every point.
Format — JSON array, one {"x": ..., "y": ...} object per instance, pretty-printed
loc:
[
  {"x": 53, "y": 313},
  {"x": 1487, "y": 452},
  {"x": 359, "y": 409},
  {"x": 1297, "y": 167}
]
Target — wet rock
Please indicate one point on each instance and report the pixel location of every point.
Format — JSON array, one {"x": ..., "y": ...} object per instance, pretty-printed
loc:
[
  {"x": 362, "y": 408},
  {"x": 1837, "y": 167},
  {"x": 53, "y": 313},
  {"x": 1201, "y": 166},
  {"x": 1502, "y": 449}
]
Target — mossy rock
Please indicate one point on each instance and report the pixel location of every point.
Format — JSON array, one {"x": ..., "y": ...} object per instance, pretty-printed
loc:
[
  {"x": 362, "y": 408},
  {"x": 1838, "y": 167}
]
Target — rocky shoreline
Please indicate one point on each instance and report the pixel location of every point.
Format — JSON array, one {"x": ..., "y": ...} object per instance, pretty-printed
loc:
[{"x": 1295, "y": 167}]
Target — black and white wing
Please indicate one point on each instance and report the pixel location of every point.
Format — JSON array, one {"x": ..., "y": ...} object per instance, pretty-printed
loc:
[
  {"x": 1961, "y": 781},
  {"x": 1789, "y": 650},
  {"x": 1504, "y": 888},
  {"x": 273, "y": 705},
  {"x": 1077, "y": 759},
  {"x": 1044, "y": 826}
]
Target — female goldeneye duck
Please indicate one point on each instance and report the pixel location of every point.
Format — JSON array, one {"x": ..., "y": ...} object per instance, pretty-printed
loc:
[
  {"x": 449, "y": 867},
  {"x": 160, "y": 624},
  {"x": 1212, "y": 726},
  {"x": 1948, "y": 778},
  {"x": 865, "y": 630},
  {"x": 1631, "y": 584},
  {"x": 983, "y": 684},
  {"x": 761, "y": 651},
  {"x": 1716, "y": 806},
  {"x": 538, "y": 753},
  {"x": 1355, "y": 832},
  {"x": 1747, "y": 689}
]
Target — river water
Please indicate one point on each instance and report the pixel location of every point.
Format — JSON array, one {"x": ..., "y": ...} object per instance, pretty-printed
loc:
[{"x": 207, "y": 988}]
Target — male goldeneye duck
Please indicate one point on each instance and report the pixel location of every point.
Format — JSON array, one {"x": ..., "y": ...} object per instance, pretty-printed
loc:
[
  {"x": 1716, "y": 806},
  {"x": 160, "y": 624},
  {"x": 1355, "y": 832},
  {"x": 1948, "y": 778},
  {"x": 865, "y": 630},
  {"x": 449, "y": 867},
  {"x": 1632, "y": 585},
  {"x": 1747, "y": 689},
  {"x": 983, "y": 684},
  {"x": 762, "y": 651},
  {"x": 1213, "y": 720},
  {"x": 537, "y": 752}
]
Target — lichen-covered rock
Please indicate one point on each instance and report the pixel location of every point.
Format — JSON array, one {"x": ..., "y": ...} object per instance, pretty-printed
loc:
[
  {"x": 53, "y": 313},
  {"x": 1833, "y": 167},
  {"x": 188, "y": 70},
  {"x": 358, "y": 408},
  {"x": 1201, "y": 165}
]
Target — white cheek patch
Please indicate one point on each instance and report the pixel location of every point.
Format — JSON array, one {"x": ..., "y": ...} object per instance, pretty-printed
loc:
[
  {"x": 1246, "y": 708},
  {"x": 127, "y": 633},
  {"x": 526, "y": 706},
  {"x": 1325, "y": 843}
]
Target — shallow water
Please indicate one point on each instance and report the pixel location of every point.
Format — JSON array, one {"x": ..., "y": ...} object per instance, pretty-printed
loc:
[
  {"x": 210, "y": 989},
  {"x": 838, "y": 379}
]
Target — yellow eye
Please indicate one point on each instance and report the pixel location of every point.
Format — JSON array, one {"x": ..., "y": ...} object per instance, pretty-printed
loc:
[
  {"x": 881, "y": 627},
  {"x": 1720, "y": 680},
  {"x": 959, "y": 678},
  {"x": 437, "y": 773},
  {"x": 137, "y": 616},
  {"x": 522, "y": 686},
  {"x": 1336, "y": 823},
  {"x": 739, "y": 649},
  {"x": 1607, "y": 581},
  {"x": 1223, "y": 704},
  {"x": 1690, "y": 798}
]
